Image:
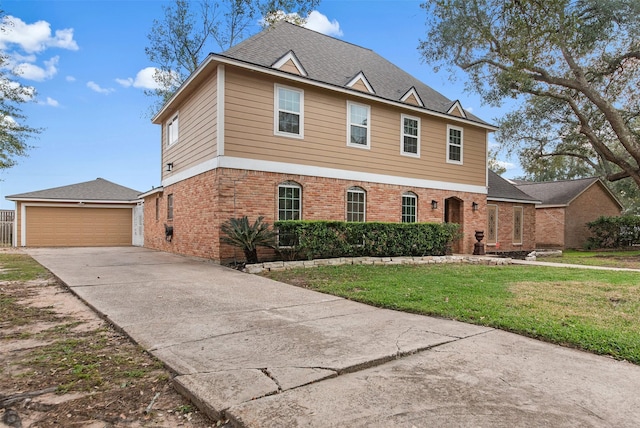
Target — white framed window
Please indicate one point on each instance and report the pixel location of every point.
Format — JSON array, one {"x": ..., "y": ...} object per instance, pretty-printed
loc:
[
  {"x": 289, "y": 111},
  {"x": 492, "y": 224},
  {"x": 409, "y": 207},
  {"x": 358, "y": 125},
  {"x": 455, "y": 138},
  {"x": 289, "y": 201},
  {"x": 172, "y": 130},
  {"x": 410, "y": 136},
  {"x": 517, "y": 225},
  {"x": 356, "y": 204}
]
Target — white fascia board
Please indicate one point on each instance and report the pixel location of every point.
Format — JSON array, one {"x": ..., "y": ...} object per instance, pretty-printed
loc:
[
  {"x": 319, "y": 84},
  {"x": 516, "y": 201},
  {"x": 314, "y": 171},
  {"x": 151, "y": 192},
  {"x": 290, "y": 56},
  {"x": 412, "y": 91},
  {"x": 459, "y": 106},
  {"x": 74, "y": 201},
  {"x": 361, "y": 77}
]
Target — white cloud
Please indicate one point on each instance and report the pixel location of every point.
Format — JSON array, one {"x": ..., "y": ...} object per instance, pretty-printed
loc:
[
  {"x": 70, "y": 79},
  {"x": 97, "y": 88},
  {"x": 49, "y": 102},
  {"x": 30, "y": 71},
  {"x": 144, "y": 79},
  {"x": 34, "y": 37},
  {"x": 320, "y": 23},
  {"x": 505, "y": 164}
]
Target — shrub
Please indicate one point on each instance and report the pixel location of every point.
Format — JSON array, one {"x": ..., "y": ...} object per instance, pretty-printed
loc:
[
  {"x": 614, "y": 232},
  {"x": 248, "y": 237},
  {"x": 325, "y": 239}
]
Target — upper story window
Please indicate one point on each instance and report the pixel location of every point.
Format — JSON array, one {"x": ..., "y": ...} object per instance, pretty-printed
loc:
[
  {"x": 409, "y": 207},
  {"x": 172, "y": 130},
  {"x": 356, "y": 204},
  {"x": 454, "y": 144},
  {"x": 170, "y": 207},
  {"x": 358, "y": 125},
  {"x": 289, "y": 112},
  {"x": 410, "y": 136},
  {"x": 289, "y": 201}
]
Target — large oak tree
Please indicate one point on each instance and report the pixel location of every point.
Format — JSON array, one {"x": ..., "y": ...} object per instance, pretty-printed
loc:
[{"x": 574, "y": 64}]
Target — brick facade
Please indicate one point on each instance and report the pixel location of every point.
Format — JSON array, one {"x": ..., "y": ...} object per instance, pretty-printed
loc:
[
  {"x": 202, "y": 203},
  {"x": 550, "y": 227},
  {"x": 505, "y": 235},
  {"x": 566, "y": 226}
]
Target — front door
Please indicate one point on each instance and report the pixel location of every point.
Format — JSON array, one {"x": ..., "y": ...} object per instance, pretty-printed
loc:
[{"x": 453, "y": 214}]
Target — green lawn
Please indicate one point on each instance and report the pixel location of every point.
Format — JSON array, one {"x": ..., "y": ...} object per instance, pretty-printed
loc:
[
  {"x": 20, "y": 267},
  {"x": 622, "y": 259},
  {"x": 598, "y": 311}
]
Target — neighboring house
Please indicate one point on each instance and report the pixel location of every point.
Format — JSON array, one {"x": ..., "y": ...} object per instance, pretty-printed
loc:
[
  {"x": 567, "y": 207},
  {"x": 511, "y": 217},
  {"x": 293, "y": 124},
  {"x": 90, "y": 214}
]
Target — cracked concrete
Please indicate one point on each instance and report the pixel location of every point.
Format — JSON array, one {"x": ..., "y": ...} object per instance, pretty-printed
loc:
[{"x": 264, "y": 353}]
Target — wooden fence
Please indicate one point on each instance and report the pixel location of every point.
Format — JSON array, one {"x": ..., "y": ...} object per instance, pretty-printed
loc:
[{"x": 6, "y": 228}]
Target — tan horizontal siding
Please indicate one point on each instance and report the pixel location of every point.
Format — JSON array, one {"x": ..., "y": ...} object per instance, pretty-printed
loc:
[
  {"x": 249, "y": 133},
  {"x": 197, "y": 129}
]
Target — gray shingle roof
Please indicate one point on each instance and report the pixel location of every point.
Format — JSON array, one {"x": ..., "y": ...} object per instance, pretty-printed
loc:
[
  {"x": 499, "y": 188},
  {"x": 557, "y": 192},
  {"x": 96, "y": 190},
  {"x": 336, "y": 62}
]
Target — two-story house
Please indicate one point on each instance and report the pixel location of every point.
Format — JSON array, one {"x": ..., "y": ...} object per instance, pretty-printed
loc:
[{"x": 293, "y": 124}]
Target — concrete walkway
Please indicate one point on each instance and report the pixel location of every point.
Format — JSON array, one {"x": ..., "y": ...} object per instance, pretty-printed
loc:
[{"x": 266, "y": 354}]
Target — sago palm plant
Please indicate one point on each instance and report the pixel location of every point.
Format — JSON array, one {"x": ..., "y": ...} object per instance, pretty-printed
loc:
[{"x": 240, "y": 233}]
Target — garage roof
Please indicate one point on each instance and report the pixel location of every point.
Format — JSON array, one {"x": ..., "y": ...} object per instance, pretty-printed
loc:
[{"x": 96, "y": 190}]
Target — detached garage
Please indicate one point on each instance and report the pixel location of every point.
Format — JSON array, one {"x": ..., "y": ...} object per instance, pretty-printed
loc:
[{"x": 91, "y": 214}]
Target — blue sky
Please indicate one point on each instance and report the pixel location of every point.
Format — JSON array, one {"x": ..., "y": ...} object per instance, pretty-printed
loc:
[{"x": 86, "y": 60}]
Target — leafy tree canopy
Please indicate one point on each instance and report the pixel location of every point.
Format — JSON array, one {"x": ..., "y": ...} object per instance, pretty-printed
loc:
[
  {"x": 14, "y": 132},
  {"x": 574, "y": 63}
]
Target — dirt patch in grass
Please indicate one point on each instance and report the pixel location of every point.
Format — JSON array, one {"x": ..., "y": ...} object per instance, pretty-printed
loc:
[{"x": 61, "y": 365}]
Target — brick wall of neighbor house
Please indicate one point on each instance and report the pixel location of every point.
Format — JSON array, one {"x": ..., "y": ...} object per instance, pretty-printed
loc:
[
  {"x": 204, "y": 202},
  {"x": 550, "y": 227},
  {"x": 588, "y": 206},
  {"x": 505, "y": 228}
]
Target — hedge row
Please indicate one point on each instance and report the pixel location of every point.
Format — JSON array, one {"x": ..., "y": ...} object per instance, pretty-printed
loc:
[
  {"x": 326, "y": 239},
  {"x": 614, "y": 232}
]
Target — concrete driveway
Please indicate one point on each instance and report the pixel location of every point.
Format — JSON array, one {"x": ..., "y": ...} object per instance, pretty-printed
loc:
[{"x": 267, "y": 354}]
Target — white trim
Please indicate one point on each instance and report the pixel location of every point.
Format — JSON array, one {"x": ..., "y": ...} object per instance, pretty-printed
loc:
[
  {"x": 402, "y": 135},
  {"x": 79, "y": 204},
  {"x": 151, "y": 192},
  {"x": 360, "y": 190},
  {"x": 517, "y": 201},
  {"x": 368, "y": 126},
  {"x": 318, "y": 171},
  {"x": 15, "y": 226},
  {"x": 459, "y": 106},
  {"x": 301, "y": 79},
  {"x": 220, "y": 110},
  {"x": 455, "y": 128},
  {"x": 412, "y": 91},
  {"x": 412, "y": 195},
  {"x": 290, "y": 56},
  {"x": 288, "y": 184},
  {"x": 76, "y": 201},
  {"x": 361, "y": 77},
  {"x": 276, "y": 112}
]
